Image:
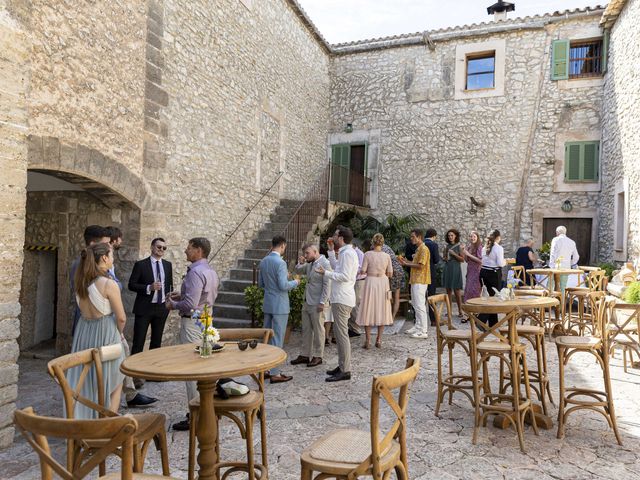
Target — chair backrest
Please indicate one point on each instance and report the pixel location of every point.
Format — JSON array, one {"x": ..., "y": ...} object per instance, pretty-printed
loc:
[
  {"x": 595, "y": 280},
  {"x": 623, "y": 320},
  {"x": 117, "y": 432},
  {"x": 263, "y": 335},
  {"x": 439, "y": 303},
  {"x": 383, "y": 387},
  {"x": 480, "y": 329},
  {"x": 519, "y": 274}
]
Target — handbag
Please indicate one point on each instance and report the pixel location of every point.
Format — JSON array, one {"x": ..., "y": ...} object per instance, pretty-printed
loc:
[{"x": 111, "y": 352}]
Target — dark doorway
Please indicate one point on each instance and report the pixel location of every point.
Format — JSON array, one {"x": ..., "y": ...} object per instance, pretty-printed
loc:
[
  {"x": 578, "y": 229},
  {"x": 357, "y": 187}
]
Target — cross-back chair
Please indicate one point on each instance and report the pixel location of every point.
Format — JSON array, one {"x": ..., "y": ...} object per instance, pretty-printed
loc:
[
  {"x": 582, "y": 321},
  {"x": 492, "y": 341},
  {"x": 113, "y": 434},
  {"x": 585, "y": 398},
  {"x": 624, "y": 330},
  {"x": 348, "y": 454},
  {"x": 450, "y": 337},
  {"x": 151, "y": 426},
  {"x": 249, "y": 406}
]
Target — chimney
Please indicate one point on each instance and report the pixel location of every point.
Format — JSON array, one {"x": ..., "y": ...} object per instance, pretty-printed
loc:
[{"x": 499, "y": 10}]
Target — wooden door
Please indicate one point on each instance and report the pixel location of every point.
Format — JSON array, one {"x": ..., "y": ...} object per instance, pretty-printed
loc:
[
  {"x": 578, "y": 230},
  {"x": 340, "y": 173},
  {"x": 357, "y": 167}
]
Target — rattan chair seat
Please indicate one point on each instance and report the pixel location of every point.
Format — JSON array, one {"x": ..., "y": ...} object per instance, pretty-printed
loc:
[
  {"x": 571, "y": 341},
  {"x": 238, "y": 403},
  {"x": 347, "y": 446},
  {"x": 457, "y": 334},
  {"x": 492, "y": 346},
  {"x": 622, "y": 338},
  {"x": 136, "y": 476},
  {"x": 525, "y": 329}
]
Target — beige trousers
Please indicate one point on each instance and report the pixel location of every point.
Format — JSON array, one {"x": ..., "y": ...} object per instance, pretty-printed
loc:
[
  {"x": 353, "y": 325},
  {"x": 312, "y": 331},
  {"x": 341, "y": 332},
  {"x": 189, "y": 333}
]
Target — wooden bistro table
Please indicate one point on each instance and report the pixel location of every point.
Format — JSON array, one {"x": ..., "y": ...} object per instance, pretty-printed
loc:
[
  {"x": 556, "y": 273},
  {"x": 183, "y": 363},
  {"x": 524, "y": 302}
]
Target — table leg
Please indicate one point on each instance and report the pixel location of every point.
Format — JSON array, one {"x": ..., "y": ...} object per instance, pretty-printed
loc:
[{"x": 206, "y": 432}]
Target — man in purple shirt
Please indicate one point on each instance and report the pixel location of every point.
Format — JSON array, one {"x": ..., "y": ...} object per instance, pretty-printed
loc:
[{"x": 199, "y": 288}]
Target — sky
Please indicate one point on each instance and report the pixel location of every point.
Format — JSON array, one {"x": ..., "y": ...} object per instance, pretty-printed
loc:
[{"x": 347, "y": 20}]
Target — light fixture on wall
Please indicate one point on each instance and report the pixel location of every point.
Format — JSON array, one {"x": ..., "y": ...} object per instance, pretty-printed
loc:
[
  {"x": 566, "y": 206},
  {"x": 348, "y": 128}
]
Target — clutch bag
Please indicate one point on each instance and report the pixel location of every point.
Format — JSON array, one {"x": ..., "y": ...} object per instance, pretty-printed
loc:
[{"x": 111, "y": 352}]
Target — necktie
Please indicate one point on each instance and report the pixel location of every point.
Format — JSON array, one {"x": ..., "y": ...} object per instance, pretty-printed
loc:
[{"x": 158, "y": 279}]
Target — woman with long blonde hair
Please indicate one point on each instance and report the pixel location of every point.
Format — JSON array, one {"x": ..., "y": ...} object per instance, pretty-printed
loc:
[{"x": 102, "y": 320}]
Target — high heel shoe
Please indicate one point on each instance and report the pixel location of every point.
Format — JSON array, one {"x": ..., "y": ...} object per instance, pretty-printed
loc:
[
  {"x": 366, "y": 346},
  {"x": 378, "y": 343}
]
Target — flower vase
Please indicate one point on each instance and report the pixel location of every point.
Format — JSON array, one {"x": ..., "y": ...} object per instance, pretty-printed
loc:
[
  {"x": 206, "y": 348},
  {"x": 512, "y": 294}
]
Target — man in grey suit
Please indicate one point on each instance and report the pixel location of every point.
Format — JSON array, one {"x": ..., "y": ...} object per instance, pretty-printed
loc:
[
  {"x": 273, "y": 278},
  {"x": 316, "y": 301}
]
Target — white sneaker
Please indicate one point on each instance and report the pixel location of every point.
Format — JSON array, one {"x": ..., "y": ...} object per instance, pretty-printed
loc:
[
  {"x": 420, "y": 335},
  {"x": 411, "y": 331}
]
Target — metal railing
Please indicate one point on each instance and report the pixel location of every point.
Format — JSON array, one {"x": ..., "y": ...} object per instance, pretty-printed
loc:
[
  {"x": 249, "y": 211},
  {"x": 349, "y": 186}
]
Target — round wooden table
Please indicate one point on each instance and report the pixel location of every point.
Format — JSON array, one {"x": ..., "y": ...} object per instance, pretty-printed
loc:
[
  {"x": 557, "y": 273},
  {"x": 183, "y": 363}
]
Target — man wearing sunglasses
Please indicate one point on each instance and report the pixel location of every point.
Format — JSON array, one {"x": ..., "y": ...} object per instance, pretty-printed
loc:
[{"x": 152, "y": 280}]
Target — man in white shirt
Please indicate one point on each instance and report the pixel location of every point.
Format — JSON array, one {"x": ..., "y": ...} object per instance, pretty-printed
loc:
[
  {"x": 564, "y": 253},
  {"x": 343, "y": 297}
]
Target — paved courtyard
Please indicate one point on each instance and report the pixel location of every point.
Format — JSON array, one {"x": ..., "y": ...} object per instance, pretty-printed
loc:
[{"x": 439, "y": 448}]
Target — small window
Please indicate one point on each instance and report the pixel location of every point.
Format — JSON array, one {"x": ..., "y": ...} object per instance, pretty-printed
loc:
[
  {"x": 581, "y": 161},
  {"x": 481, "y": 71},
  {"x": 586, "y": 59}
]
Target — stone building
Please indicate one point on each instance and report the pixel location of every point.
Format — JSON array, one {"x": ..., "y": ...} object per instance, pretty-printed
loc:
[{"x": 180, "y": 118}]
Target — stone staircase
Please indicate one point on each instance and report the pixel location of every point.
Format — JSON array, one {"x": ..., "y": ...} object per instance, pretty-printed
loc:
[{"x": 229, "y": 310}]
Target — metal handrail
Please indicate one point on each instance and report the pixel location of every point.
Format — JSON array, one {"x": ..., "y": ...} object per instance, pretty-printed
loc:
[{"x": 249, "y": 211}]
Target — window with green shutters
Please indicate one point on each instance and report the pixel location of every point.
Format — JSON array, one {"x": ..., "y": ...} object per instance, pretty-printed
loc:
[
  {"x": 340, "y": 161},
  {"x": 581, "y": 161},
  {"x": 579, "y": 58}
]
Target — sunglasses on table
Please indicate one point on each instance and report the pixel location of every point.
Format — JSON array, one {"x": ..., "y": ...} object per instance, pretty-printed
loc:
[{"x": 243, "y": 344}]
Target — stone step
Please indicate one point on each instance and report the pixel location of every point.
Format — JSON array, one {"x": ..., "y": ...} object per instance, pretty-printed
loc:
[
  {"x": 224, "y": 310},
  {"x": 256, "y": 253},
  {"x": 235, "y": 285},
  {"x": 248, "y": 263},
  {"x": 230, "y": 298},
  {"x": 289, "y": 203},
  {"x": 261, "y": 244},
  {"x": 279, "y": 218},
  {"x": 241, "y": 274},
  {"x": 280, "y": 210},
  {"x": 223, "y": 322}
]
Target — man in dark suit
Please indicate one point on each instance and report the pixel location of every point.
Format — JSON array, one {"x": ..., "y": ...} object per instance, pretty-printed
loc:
[{"x": 152, "y": 280}]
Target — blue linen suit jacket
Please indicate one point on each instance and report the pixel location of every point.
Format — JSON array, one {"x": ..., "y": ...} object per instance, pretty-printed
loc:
[{"x": 273, "y": 278}]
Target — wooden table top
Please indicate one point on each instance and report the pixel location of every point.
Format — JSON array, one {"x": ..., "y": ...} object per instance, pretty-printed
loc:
[
  {"x": 182, "y": 362},
  {"x": 520, "y": 301},
  {"x": 560, "y": 271}
]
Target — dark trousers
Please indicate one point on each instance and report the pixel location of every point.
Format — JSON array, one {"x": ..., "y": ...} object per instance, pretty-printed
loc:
[
  {"x": 431, "y": 290},
  {"x": 491, "y": 279},
  {"x": 156, "y": 317}
]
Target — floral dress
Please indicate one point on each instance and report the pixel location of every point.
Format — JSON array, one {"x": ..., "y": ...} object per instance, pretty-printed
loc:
[
  {"x": 473, "y": 288},
  {"x": 397, "y": 280}
]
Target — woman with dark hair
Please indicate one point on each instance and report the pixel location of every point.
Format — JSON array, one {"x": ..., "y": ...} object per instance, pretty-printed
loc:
[
  {"x": 473, "y": 255},
  {"x": 491, "y": 270},
  {"x": 452, "y": 271},
  {"x": 101, "y": 323}
]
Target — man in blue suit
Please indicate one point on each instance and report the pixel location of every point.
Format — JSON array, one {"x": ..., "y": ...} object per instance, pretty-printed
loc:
[{"x": 273, "y": 278}]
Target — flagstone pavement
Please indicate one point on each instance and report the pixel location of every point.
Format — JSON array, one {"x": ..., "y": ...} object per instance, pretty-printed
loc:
[{"x": 439, "y": 448}]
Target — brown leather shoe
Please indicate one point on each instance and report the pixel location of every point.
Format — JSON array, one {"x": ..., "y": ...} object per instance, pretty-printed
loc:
[
  {"x": 300, "y": 360},
  {"x": 280, "y": 378},
  {"x": 315, "y": 361}
]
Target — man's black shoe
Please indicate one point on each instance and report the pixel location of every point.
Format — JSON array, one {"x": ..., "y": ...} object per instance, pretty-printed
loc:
[
  {"x": 339, "y": 377},
  {"x": 334, "y": 371},
  {"x": 141, "y": 400},
  {"x": 182, "y": 425},
  {"x": 353, "y": 333},
  {"x": 300, "y": 360}
]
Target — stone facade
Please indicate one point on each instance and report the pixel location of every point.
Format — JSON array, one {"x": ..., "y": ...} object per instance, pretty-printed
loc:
[
  {"x": 14, "y": 81},
  {"x": 621, "y": 124},
  {"x": 439, "y": 146}
]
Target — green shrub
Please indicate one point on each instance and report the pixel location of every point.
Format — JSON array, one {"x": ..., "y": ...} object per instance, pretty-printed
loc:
[
  {"x": 608, "y": 268},
  {"x": 544, "y": 252},
  {"x": 632, "y": 293},
  {"x": 254, "y": 298}
]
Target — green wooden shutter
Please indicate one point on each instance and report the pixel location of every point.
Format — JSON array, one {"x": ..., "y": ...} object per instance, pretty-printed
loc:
[
  {"x": 572, "y": 154},
  {"x": 560, "y": 60},
  {"x": 340, "y": 160},
  {"x": 590, "y": 161},
  {"x": 605, "y": 50}
]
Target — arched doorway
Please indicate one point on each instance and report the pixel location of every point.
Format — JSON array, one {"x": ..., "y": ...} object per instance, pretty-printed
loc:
[{"x": 59, "y": 206}]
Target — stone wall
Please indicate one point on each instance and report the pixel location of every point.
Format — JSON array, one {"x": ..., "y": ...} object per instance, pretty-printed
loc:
[
  {"x": 439, "y": 148},
  {"x": 621, "y": 133},
  {"x": 14, "y": 52},
  {"x": 248, "y": 90}
]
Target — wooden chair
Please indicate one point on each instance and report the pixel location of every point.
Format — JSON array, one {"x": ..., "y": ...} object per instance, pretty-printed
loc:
[
  {"x": 489, "y": 342},
  {"x": 113, "y": 434},
  {"x": 450, "y": 337},
  {"x": 581, "y": 322},
  {"x": 151, "y": 426},
  {"x": 624, "y": 331},
  {"x": 583, "y": 398},
  {"x": 250, "y": 406},
  {"x": 347, "y": 454}
]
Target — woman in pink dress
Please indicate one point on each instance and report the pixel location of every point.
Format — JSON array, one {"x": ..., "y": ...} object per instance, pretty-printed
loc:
[
  {"x": 473, "y": 255},
  {"x": 375, "y": 303}
]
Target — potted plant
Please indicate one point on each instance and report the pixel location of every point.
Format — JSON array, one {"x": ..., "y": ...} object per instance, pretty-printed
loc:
[
  {"x": 544, "y": 252},
  {"x": 632, "y": 293}
]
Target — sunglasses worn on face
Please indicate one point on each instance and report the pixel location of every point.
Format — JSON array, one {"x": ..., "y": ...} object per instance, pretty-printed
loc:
[{"x": 161, "y": 247}]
